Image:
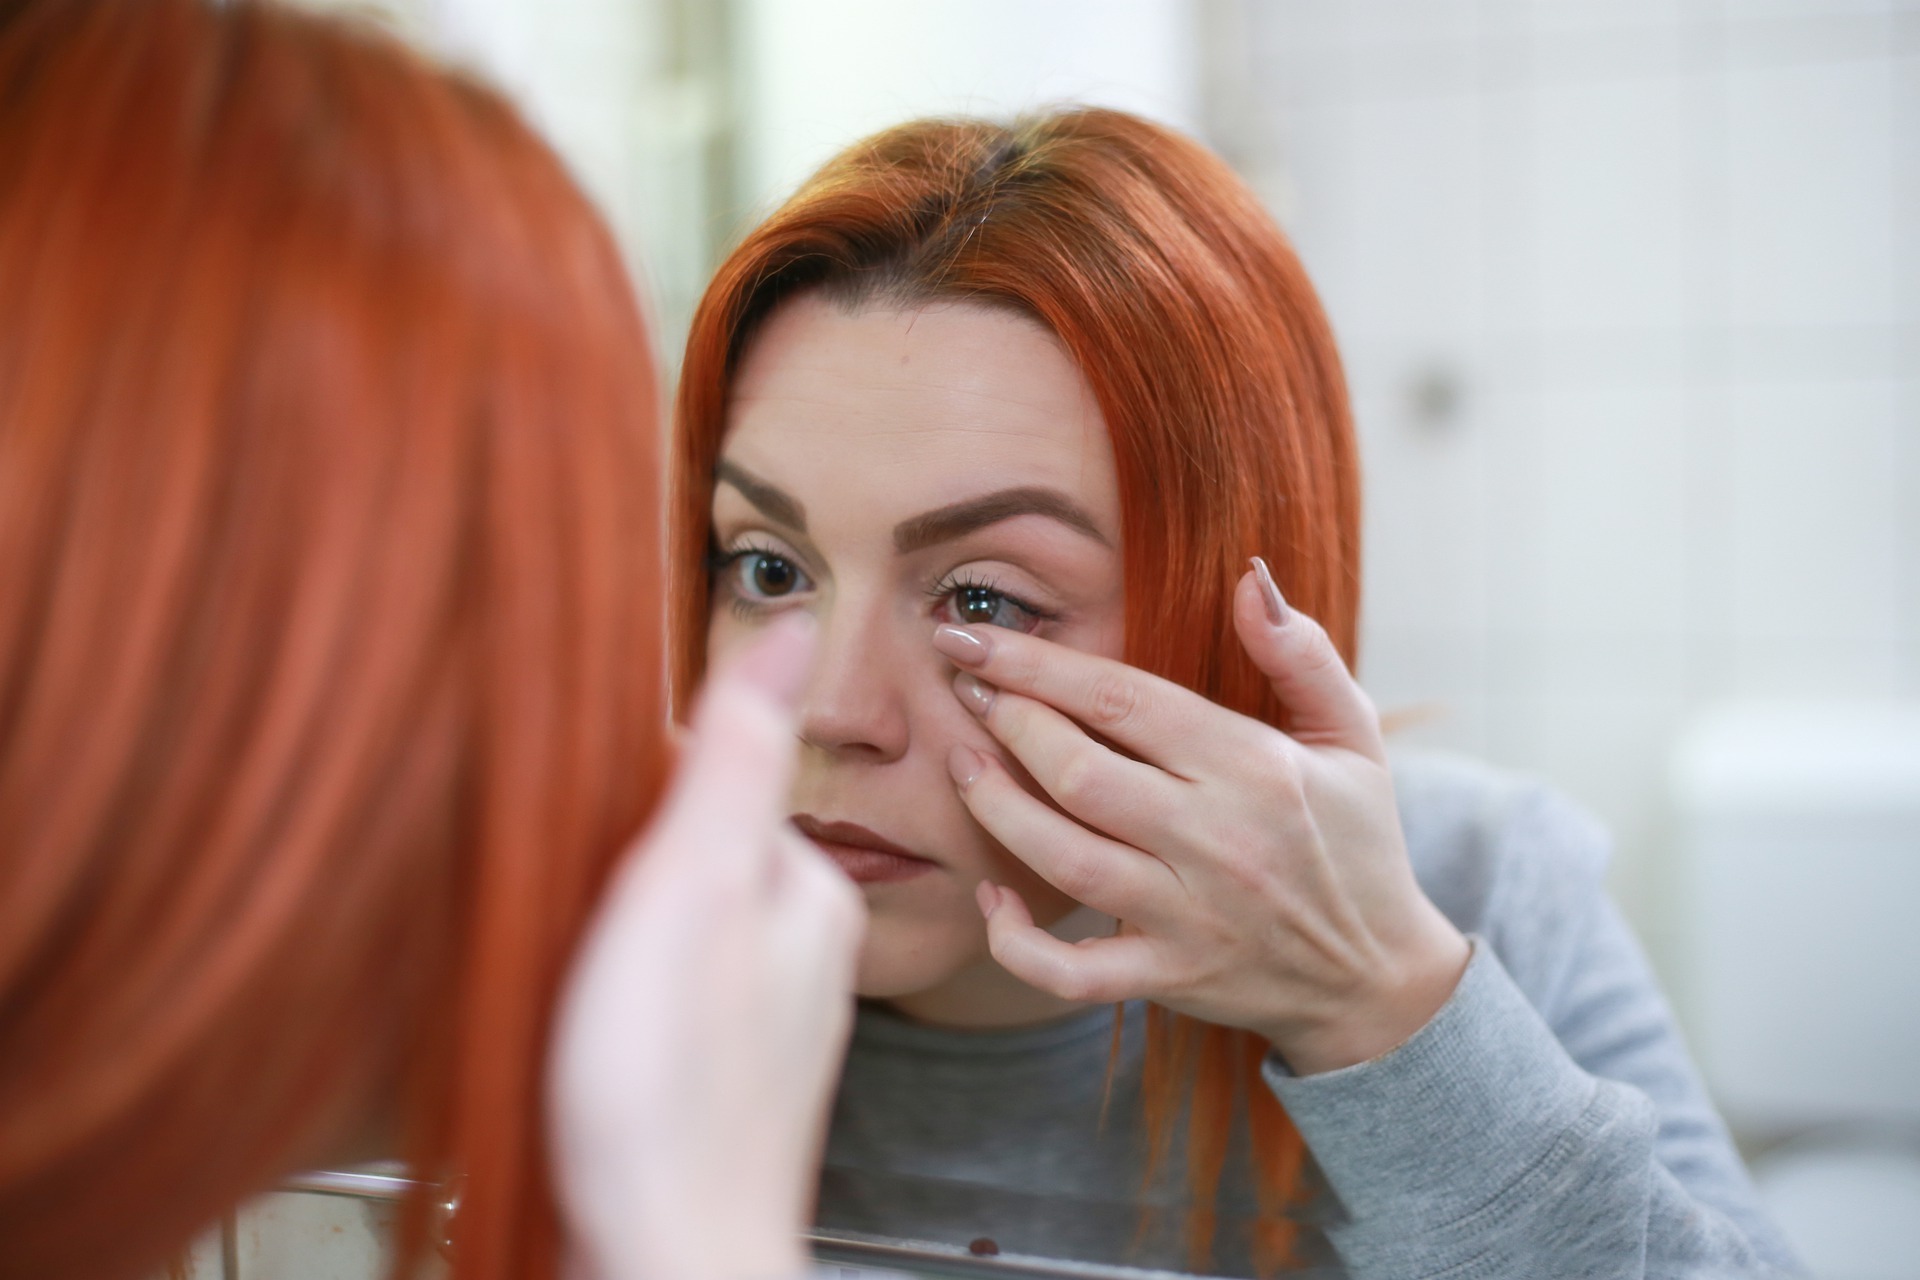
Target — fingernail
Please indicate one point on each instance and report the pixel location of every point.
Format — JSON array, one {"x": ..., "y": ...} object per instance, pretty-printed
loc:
[
  {"x": 964, "y": 763},
  {"x": 975, "y": 692},
  {"x": 1270, "y": 592},
  {"x": 987, "y": 894},
  {"x": 962, "y": 646},
  {"x": 778, "y": 660}
]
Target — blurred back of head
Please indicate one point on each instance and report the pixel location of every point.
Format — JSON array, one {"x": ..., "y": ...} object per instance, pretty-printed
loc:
[{"x": 330, "y": 666}]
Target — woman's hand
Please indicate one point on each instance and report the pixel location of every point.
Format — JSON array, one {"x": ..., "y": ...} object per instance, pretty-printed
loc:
[
  {"x": 702, "y": 1028},
  {"x": 1260, "y": 878}
]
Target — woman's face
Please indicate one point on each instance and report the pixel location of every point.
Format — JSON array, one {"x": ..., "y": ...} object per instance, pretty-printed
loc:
[{"x": 890, "y": 470}]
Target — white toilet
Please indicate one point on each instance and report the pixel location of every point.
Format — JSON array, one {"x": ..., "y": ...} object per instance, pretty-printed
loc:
[{"x": 1800, "y": 975}]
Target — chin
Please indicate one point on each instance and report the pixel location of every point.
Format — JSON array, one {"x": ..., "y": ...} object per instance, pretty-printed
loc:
[{"x": 900, "y": 958}]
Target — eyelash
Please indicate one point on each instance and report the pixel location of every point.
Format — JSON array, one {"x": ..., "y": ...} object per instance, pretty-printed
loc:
[
  {"x": 721, "y": 563},
  {"x": 954, "y": 583}
]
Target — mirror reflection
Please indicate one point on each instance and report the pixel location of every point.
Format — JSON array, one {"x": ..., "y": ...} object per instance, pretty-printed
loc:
[{"x": 1353, "y": 574}]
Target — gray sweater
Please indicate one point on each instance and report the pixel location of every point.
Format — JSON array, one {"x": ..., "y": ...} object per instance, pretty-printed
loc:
[{"x": 1545, "y": 1123}]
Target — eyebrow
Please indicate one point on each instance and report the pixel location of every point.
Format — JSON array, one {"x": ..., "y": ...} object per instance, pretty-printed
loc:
[
  {"x": 772, "y": 502},
  {"x": 961, "y": 518},
  {"x": 943, "y": 524}
]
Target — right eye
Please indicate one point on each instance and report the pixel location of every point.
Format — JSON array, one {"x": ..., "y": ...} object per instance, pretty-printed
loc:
[{"x": 758, "y": 576}]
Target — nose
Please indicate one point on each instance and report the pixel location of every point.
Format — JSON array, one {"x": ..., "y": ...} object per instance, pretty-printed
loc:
[{"x": 854, "y": 707}]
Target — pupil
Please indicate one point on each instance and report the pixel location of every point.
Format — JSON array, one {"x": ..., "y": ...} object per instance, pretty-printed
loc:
[
  {"x": 977, "y": 604},
  {"x": 772, "y": 577}
]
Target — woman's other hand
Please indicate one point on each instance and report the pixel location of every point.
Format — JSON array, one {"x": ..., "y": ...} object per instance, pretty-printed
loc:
[
  {"x": 702, "y": 1028},
  {"x": 1260, "y": 878}
]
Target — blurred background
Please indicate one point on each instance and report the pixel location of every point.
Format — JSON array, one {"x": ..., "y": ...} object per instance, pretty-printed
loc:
[{"x": 1629, "y": 294}]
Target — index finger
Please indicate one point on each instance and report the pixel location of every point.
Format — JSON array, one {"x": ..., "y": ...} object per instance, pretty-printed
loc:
[
  {"x": 1151, "y": 718},
  {"x": 738, "y": 757}
]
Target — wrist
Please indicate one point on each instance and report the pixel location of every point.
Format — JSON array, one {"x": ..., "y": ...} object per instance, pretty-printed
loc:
[{"x": 1388, "y": 1012}]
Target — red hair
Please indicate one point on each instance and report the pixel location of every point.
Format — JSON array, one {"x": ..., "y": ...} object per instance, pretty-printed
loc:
[
  {"x": 330, "y": 635},
  {"x": 1215, "y": 368}
]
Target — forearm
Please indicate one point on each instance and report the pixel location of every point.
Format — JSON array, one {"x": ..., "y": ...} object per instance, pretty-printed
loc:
[{"x": 1481, "y": 1148}]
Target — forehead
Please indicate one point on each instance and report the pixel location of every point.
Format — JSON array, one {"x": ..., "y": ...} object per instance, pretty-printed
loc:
[{"x": 931, "y": 404}]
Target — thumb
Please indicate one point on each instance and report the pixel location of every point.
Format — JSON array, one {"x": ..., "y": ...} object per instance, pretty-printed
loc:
[
  {"x": 1327, "y": 706},
  {"x": 737, "y": 757}
]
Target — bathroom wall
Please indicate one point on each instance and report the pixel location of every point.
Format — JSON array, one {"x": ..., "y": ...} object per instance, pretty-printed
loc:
[
  {"x": 688, "y": 119},
  {"x": 1629, "y": 292},
  {"x": 814, "y": 75},
  {"x": 636, "y": 96}
]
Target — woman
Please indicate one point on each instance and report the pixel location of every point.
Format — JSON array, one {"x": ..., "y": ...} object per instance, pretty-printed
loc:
[
  {"x": 330, "y": 685},
  {"x": 1007, "y": 410}
]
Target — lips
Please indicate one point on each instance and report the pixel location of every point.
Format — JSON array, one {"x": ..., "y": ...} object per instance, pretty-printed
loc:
[{"x": 867, "y": 857}]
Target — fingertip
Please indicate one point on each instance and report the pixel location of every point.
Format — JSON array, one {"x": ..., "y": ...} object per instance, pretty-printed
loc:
[
  {"x": 986, "y": 896},
  {"x": 965, "y": 765},
  {"x": 1254, "y": 622},
  {"x": 1249, "y": 610},
  {"x": 1007, "y": 901},
  {"x": 779, "y": 658}
]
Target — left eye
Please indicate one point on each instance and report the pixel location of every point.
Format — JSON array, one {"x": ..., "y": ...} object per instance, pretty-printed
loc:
[{"x": 975, "y": 605}]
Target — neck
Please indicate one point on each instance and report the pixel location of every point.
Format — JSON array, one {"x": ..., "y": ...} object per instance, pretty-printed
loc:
[{"x": 985, "y": 997}]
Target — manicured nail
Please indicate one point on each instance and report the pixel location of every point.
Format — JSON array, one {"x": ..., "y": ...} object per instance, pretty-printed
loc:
[
  {"x": 1270, "y": 592},
  {"x": 964, "y": 763},
  {"x": 975, "y": 692},
  {"x": 960, "y": 645},
  {"x": 987, "y": 894}
]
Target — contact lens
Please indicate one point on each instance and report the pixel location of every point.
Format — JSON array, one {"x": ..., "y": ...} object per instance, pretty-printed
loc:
[{"x": 978, "y": 604}]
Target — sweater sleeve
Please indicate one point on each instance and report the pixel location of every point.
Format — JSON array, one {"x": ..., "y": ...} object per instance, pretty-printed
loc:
[{"x": 1547, "y": 1121}]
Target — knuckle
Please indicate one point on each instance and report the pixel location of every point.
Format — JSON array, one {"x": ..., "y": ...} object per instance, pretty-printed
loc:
[
  {"x": 1262, "y": 881},
  {"x": 1112, "y": 701},
  {"x": 1242, "y": 871},
  {"x": 1317, "y": 654},
  {"x": 1079, "y": 782},
  {"x": 1070, "y": 983},
  {"x": 1273, "y": 773},
  {"x": 1015, "y": 665},
  {"x": 1075, "y": 875},
  {"x": 1281, "y": 772}
]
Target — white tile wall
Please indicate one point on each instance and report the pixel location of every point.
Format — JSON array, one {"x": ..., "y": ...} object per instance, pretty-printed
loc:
[
  {"x": 1816, "y": 522},
  {"x": 1809, "y": 211},
  {"x": 1670, "y": 249},
  {"x": 1600, "y": 514},
  {"x": 1429, "y": 477},
  {"x": 1414, "y": 213},
  {"x": 1608, "y": 178},
  {"x": 818, "y": 74}
]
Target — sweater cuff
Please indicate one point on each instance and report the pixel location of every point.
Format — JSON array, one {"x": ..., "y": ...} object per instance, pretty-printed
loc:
[{"x": 1479, "y": 1100}]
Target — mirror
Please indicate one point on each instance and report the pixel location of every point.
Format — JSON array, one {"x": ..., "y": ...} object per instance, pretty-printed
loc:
[{"x": 338, "y": 1225}]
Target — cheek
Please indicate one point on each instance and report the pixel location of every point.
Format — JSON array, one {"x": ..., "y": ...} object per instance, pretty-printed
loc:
[
  {"x": 918, "y": 940},
  {"x": 724, "y": 632},
  {"x": 941, "y": 724}
]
